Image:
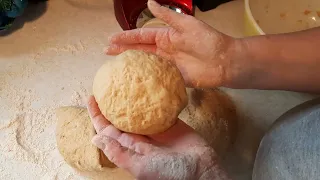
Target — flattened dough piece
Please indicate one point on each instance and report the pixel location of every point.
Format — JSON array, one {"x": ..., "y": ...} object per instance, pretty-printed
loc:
[
  {"x": 74, "y": 133},
  {"x": 213, "y": 115}
]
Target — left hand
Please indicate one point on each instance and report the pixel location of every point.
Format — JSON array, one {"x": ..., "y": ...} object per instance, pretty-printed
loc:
[{"x": 176, "y": 154}]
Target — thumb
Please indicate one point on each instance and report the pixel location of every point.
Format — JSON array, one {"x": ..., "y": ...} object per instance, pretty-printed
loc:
[{"x": 172, "y": 18}]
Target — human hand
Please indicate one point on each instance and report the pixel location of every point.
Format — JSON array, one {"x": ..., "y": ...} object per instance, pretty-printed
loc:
[
  {"x": 176, "y": 154},
  {"x": 203, "y": 55}
]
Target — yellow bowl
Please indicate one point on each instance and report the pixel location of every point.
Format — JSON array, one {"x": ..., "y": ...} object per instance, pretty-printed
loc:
[{"x": 280, "y": 16}]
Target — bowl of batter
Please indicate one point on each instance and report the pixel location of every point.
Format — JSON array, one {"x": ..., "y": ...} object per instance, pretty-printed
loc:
[{"x": 280, "y": 16}]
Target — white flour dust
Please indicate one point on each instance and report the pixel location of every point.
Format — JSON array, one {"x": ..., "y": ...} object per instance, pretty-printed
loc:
[
  {"x": 27, "y": 129},
  {"x": 173, "y": 166},
  {"x": 46, "y": 63}
]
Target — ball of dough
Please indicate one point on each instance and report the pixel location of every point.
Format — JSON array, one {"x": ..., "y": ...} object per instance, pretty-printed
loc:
[
  {"x": 212, "y": 114},
  {"x": 140, "y": 92},
  {"x": 74, "y": 133}
]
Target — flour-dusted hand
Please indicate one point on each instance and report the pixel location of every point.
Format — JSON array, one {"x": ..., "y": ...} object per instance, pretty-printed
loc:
[
  {"x": 177, "y": 154},
  {"x": 203, "y": 55}
]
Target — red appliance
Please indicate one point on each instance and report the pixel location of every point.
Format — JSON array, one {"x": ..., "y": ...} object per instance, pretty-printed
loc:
[{"x": 132, "y": 14}]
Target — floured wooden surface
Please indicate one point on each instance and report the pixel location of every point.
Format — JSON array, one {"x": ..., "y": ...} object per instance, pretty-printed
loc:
[{"x": 51, "y": 61}]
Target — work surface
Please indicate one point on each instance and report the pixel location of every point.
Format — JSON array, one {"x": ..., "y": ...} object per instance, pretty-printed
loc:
[{"x": 49, "y": 60}]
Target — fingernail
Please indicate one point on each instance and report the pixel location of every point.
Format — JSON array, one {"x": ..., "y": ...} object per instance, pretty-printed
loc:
[
  {"x": 97, "y": 141},
  {"x": 152, "y": 3}
]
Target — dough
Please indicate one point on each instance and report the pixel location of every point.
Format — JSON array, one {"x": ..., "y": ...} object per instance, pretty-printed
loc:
[
  {"x": 212, "y": 114},
  {"x": 140, "y": 93},
  {"x": 155, "y": 22},
  {"x": 74, "y": 133}
]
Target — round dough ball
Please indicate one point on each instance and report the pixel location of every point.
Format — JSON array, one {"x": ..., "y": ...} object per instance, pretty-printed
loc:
[
  {"x": 140, "y": 92},
  {"x": 212, "y": 114},
  {"x": 74, "y": 133}
]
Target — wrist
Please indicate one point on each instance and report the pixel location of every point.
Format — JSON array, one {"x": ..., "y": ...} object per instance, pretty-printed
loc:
[
  {"x": 238, "y": 70},
  {"x": 275, "y": 62}
]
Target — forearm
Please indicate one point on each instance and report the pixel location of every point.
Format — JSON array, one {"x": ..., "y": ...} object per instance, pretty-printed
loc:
[{"x": 280, "y": 62}]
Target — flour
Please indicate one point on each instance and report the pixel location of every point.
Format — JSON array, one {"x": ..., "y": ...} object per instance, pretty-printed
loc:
[
  {"x": 27, "y": 129},
  {"x": 173, "y": 166},
  {"x": 29, "y": 137},
  {"x": 79, "y": 98},
  {"x": 49, "y": 65},
  {"x": 48, "y": 61}
]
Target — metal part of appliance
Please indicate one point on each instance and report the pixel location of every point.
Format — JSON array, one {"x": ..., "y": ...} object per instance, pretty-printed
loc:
[{"x": 132, "y": 14}]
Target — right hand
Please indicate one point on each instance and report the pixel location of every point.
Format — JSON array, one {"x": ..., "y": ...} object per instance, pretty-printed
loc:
[
  {"x": 202, "y": 54},
  {"x": 176, "y": 154}
]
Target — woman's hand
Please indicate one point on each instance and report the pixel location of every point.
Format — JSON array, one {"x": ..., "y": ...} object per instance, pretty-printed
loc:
[
  {"x": 203, "y": 55},
  {"x": 177, "y": 154}
]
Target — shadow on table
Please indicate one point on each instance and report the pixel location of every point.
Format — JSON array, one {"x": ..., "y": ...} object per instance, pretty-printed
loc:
[
  {"x": 240, "y": 158},
  {"x": 34, "y": 10}
]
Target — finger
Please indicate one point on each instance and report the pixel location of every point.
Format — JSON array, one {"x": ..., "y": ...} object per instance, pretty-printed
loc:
[
  {"x": 136, "y": 36},
  {"x": 167, "y": 56},
  {"x": 98, "y": 120},
  {"x": 138, "y": 143},
  {"x": 96, "y": 140},
  {"x": 119, "y": 155},
  {"x": 134, "y": 142},
  {"x": 179, "y": 135},
  {"x": 110, "y": 131},
  {"x": 115, "y": 49},
  {"x": 174, "y": 19}
]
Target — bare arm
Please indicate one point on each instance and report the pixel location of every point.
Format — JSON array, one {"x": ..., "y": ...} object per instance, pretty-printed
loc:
[{"x": 279, "y": 62}]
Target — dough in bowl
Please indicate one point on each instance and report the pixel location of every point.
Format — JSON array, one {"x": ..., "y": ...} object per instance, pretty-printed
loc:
[
  {"x": 140, "y": 93},
  {"x": 74, "y": 133}
]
